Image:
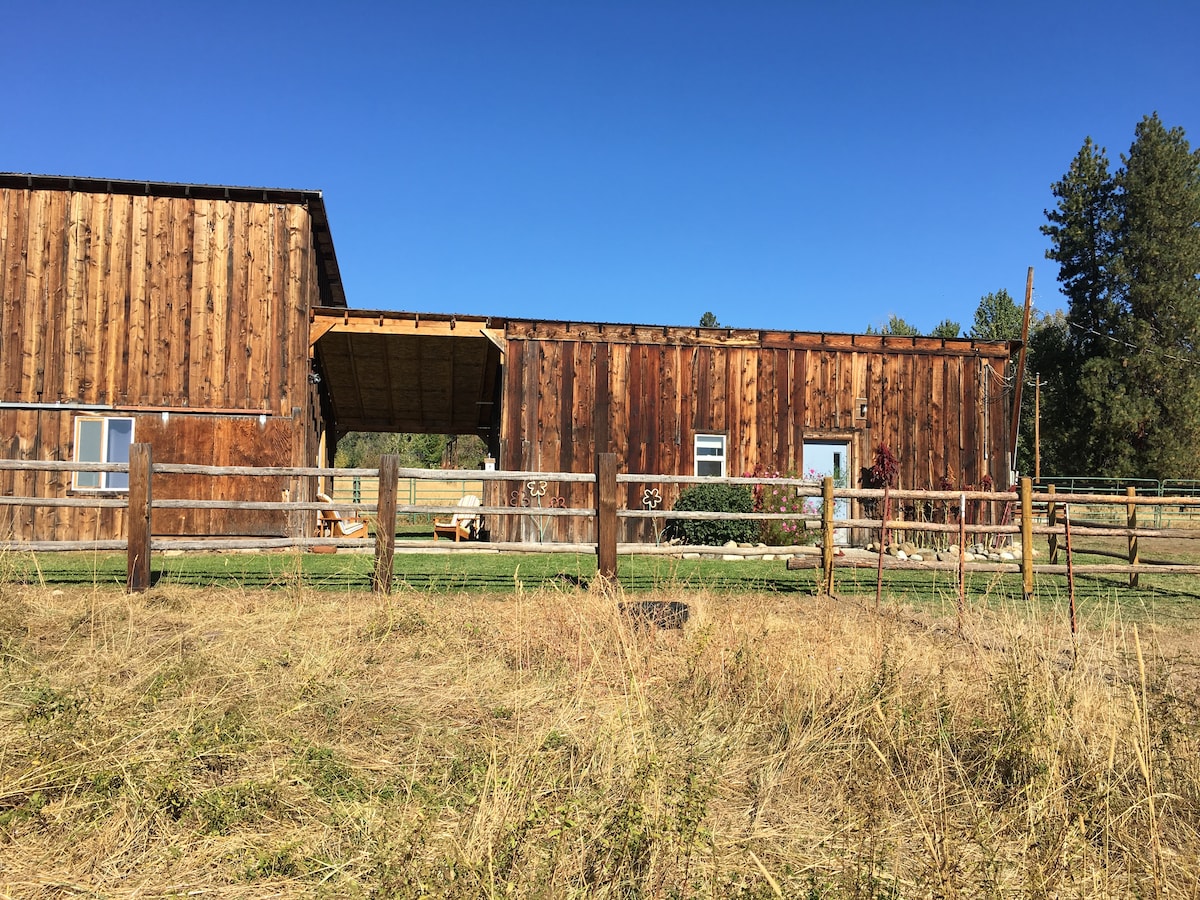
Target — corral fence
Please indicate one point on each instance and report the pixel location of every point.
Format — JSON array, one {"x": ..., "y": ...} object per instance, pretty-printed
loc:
[
  {"x": 411, "y": 492},
  {"x": 1162, "y": 515},
  {"x": 1026, "y": 514}
]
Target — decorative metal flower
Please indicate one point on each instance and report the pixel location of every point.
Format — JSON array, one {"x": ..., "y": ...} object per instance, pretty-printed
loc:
[{"x": 651, "y": 498}]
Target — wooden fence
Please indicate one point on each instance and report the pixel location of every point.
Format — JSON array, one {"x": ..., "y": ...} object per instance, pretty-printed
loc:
[{"x": 1027, "y": 514}]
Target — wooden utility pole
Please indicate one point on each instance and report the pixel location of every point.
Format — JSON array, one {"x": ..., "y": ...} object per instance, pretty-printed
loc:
[{"x": 1016, "y": 407}]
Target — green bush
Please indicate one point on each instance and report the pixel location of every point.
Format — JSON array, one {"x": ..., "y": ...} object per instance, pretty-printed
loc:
[{"x": 714, "y": 498}]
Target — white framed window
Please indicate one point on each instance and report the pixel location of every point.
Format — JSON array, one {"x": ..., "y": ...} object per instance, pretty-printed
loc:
[
  {"x": 102, "y": 439},
  {"x": 710, "y": 455}
]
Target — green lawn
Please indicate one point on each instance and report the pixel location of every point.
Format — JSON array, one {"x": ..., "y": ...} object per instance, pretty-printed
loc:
[{"x": 1172, "y": 596}]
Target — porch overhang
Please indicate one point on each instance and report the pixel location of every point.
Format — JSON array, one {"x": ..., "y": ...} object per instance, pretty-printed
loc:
[{"x": 407, "y": 372}]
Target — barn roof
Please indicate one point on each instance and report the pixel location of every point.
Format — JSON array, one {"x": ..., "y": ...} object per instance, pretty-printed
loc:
[{"x": 328, "y": 271}]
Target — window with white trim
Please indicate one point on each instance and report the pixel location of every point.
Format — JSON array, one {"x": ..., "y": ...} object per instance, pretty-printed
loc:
[
  {"x": 710, "y": 455},
  {"x": 102, "y": 439}
]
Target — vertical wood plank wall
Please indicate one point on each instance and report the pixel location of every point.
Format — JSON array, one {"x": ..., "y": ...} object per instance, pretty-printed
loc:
[
  {"x": 143, "y": 303},
  {"x": 572, "y": 391}
]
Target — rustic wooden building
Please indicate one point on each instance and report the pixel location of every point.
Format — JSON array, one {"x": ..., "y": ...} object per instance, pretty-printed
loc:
[
  {"x": 549, "y": 396},
  {"x": 170, "y": 314},
  {"x": 210, "y": 322},
  {"x": 693, "y": 401}
]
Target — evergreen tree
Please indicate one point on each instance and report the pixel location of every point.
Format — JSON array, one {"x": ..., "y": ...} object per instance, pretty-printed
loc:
[
  {"x": 1159, "y": 243},
  {"x": 997, "y": 318},
  {"x": 895, "y": 325},
  {"x": 946, "y": 329},
  {"x": 1082, "y": 231},
  {"x": 1127, "y": 397}
]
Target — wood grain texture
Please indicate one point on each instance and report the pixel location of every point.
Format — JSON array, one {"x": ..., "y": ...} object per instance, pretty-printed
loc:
[
  {"x": 644, "y": 396},
  {"x": 147, "y": 302}
]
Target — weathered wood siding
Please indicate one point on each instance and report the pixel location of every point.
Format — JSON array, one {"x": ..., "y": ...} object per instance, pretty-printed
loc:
[
  {"x": 572, "y": 391},
  {"x": 154, "y": 301},
  {"x": 140, "y": 304}
]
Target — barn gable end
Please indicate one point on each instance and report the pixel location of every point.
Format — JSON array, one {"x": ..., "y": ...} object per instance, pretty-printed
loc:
[{"x": 183, "y": 308}]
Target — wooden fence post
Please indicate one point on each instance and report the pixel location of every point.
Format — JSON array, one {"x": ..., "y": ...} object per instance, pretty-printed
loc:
[
  {"x": 1131, "y": 520},
  {"x": 1052, "y": 521},
  {"x": 606, "y": 515},
  {"x": 962, "y": 560},
  {"x": 137, "y": 546},
  {"x": 1027, "y": 536},
  {"x": 385, "y": 526},
  {"x": 827, "y": 533}
]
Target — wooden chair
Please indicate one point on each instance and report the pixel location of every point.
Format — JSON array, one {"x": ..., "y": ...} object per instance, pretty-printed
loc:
[
  {"x": 462, "y": 526},
  {"x": 331, "y": 524}
]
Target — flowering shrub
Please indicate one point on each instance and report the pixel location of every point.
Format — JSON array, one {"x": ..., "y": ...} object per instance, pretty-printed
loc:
[{"x": 781, "y": 498}]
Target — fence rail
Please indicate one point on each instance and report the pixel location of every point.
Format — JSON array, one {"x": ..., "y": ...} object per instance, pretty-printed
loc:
[{"x": 1028, "y": 512}]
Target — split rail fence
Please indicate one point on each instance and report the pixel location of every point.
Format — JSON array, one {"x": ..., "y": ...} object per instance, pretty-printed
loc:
[{"x": 1027, "y": 514}]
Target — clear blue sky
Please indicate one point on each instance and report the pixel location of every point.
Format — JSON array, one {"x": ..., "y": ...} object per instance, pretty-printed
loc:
[{"x": 809, "y": 166}]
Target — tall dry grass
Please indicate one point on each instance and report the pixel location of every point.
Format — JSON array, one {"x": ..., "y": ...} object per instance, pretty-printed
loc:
[{"x": 247, "y": 744}]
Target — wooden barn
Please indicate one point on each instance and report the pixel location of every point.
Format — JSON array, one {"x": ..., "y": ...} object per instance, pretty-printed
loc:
[
  {"x": 211, "y": 323},
  {"x": 549, "y": 396},
  {"x": 169, "y": 314},
  {"x": 697, "y": 401}
]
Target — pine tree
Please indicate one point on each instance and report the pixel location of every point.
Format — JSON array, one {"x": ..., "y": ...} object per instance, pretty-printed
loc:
[
  {"x": 1126, "y": 397},
  {"x": 1159, "y": 246},
  {"x": 946, "y": 329},
  {"x": 895, "y": 325},
  {"x": 997, "y": 318},
  {"x": 1082, "y": 230}
]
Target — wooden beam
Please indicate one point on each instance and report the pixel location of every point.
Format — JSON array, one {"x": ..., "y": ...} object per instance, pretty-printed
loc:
[
  {"x": 323, "y": 323},
  {"x": 317, "y": 330}
]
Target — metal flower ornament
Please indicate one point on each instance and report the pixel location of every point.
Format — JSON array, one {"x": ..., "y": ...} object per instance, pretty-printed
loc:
[
  {"x": 531, "y": 494},
  {"x": 651, "y": 500}
]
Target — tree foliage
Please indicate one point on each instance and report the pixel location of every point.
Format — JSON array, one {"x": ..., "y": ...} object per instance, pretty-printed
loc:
[
  {"x": 709, "y": 320},
  {"x": 1123, "y": 394},
  {"x": 361, "y": 450},
  {"x": 895, "y": 325},
  {"x": 997, "y": 318},
  {"x": 946, "y": 329}
]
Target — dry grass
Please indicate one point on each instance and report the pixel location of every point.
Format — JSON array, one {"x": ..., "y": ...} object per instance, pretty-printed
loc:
[{"x": 248, "y": 744}]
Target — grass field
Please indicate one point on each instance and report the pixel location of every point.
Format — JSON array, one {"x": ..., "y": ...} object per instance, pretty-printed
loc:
[{"x": 261, "y": 726}]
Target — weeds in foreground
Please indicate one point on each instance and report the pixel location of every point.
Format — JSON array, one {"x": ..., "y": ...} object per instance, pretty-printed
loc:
[{"x": 544, "y": 744}]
